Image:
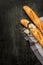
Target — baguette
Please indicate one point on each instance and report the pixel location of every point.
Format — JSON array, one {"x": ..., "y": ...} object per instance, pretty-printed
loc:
[
  {"x": 35, "y": 31},
  {"x": 35, "y": 19}
]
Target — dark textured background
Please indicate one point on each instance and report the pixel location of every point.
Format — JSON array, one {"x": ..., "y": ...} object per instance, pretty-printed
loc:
[{"x": 14, "y": 50}]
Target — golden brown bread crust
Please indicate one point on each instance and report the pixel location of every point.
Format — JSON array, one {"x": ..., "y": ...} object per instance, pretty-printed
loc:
[
  {"x": 35, "y": 19},
  {"x": 24, "y": 22},
  {"x": 36, "y": 33}
]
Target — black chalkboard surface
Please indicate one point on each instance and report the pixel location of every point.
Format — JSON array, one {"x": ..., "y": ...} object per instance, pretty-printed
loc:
[{"x": 14, "y": 50}]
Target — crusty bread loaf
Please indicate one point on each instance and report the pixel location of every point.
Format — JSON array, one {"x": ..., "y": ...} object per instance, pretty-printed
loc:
[
  {"x": 37, "y": 34},
  {"x": 35, "y": 31},
  {"x": 35, "y": 19}
]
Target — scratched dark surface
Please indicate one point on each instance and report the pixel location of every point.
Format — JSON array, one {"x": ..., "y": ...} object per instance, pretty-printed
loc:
[{"x": 14, "y": 50}]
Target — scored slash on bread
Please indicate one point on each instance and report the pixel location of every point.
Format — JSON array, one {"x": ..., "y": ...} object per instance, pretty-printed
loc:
[
  {"x": 35, "y": 19},
  {"x": 36, "y": 33}
]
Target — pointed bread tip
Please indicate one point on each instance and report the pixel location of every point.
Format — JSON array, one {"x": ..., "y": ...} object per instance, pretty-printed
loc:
[{"x": 24, "y": 22}]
